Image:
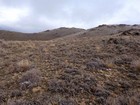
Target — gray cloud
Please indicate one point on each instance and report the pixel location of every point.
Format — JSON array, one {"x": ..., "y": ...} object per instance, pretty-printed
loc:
[{"x": 39, "y": 15}]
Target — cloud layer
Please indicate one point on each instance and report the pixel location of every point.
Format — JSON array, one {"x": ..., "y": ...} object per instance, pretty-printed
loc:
[{"x": 39, "y": 15}]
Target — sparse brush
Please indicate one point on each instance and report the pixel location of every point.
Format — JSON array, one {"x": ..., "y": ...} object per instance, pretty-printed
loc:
[
  {"x": 72, "y": 84},
  {"x": 56, "y": 99},
  {"x": 67, "y": 102},
  {"x": 94, "y": 67},
  {"x": 30, "y": 79},
  {"x": 23, "y": 102},
  {"x": 16, "y": 93},
  {"x": 123, "y": 59},
  {"x": 95, "y": 64},
  {"x": 124, "y": 100},
  {"x": 2, "y": 97}
]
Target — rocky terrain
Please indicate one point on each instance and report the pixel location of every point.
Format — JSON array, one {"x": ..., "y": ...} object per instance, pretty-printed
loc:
[{"x": 98, "y": 66}]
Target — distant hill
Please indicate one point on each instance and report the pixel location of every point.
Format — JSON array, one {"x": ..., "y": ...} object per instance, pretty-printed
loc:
[
  {"x": 101, "y": 30},
  {"x": 46, "y": 35}
]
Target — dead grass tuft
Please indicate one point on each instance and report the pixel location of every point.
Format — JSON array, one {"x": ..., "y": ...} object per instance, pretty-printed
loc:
[{"x": 24, "y": 65}]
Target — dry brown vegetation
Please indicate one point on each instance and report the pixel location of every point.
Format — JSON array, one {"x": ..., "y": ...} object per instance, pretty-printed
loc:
[{"x": 81, "y": 69}]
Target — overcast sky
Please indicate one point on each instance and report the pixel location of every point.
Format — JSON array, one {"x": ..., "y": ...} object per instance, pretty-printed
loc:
[{"x": 39, "y": 15}]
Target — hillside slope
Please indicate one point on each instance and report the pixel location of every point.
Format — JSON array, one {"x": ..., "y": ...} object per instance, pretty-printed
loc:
[
  {"x": 95, "y": 70},
  {"x": 103, "y": 30},
  {"x": 46, "y": 35}
]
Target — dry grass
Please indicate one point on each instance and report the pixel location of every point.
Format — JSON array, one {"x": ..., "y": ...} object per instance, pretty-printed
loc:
[{"x": 24, "y": 65}]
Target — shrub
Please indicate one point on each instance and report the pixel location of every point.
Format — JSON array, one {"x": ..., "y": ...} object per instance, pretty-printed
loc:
[
  {"x": 30, "y": 79},
  {"x": 123, "y": 60},
  {"x": 16, "y": 93},
  {"x": 72, "y": 71},
  {"x": 48, "y": 99},
  {"x": 136, "y": 65},
  {"x": 124, "y": 100},
  {"x": 111, "y": 86},
  {"x": 67, "y": 102},
  {"x": 45, "y": 98},
  {"x": 23, "y": 102},
  {"x": 132, "y": 75},
  {"x": 100, "y": 100},
  {"x": 100, "y": 92},
  {"x": 125, "y": 85},
  {"x": 72, "y": 84},
  {"x": 2, "y": 96},
  {"x": 95, "y": 65},
  {"x": 16, "y": 102},
  {"x": 120, "y": 100},
  {"x": 2, "y": 99}
]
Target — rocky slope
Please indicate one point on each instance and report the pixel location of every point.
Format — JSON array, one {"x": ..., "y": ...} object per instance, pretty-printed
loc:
[{"x": 73, "y": 70}]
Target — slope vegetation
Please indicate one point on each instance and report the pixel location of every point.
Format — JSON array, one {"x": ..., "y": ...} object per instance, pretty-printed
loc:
[{"x": 73, "y": 70}]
